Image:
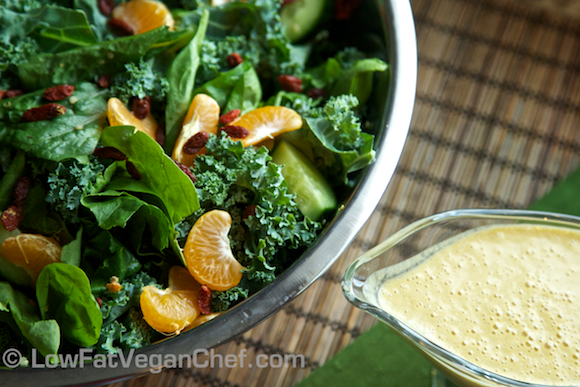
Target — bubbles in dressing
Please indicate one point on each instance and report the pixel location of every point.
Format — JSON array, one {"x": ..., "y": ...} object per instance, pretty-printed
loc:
[{"x": 504, "y": 298}]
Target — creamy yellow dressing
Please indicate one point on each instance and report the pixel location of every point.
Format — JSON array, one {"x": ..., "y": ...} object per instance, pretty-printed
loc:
[{"x": 504, "y": 298}]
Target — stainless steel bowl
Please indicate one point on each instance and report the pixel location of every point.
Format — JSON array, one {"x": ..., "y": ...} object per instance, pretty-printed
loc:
[{"x": 394, "y": 20}]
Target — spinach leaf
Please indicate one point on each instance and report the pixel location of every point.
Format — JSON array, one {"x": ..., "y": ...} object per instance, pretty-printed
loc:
[
  {"x": 358, "y": 79},
  {"x": 42, "y": 334},
  {"x": 59, "y": 28},
  {"x": 64, "y": 294},
  {"x": 118, "y": 260},
  {"x": 38, "y": 217},
  {"x": 75, "y": 134},
  {"x": 238, "y": 88},
  {"x": 159, "y": 173},
  {"x": 71, "y": 252},
  {"x": 85, "y": 63},
  {"x": 181, "y": 78},
  {"x": 117, "y": 209},
  {"x": 112, "y": 208},
  {"x": 97, "y": 20},
  {"x": 8, "y": 182}
]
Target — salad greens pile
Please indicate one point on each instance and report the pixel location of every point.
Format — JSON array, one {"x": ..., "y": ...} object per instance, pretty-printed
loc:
[{"x": 128, "y": 217}]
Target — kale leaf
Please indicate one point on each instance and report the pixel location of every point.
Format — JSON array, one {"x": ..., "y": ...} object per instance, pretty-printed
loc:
[
  {"x": 239, "y": 179},
  {"x": 69, "y": 182},
  {"x": 139, "y": 80},
  {"x": 222, "y": 301}
]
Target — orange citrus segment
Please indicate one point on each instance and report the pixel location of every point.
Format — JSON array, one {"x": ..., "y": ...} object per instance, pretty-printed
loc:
[
  {"x": 202, "y": 116},
  {"x": 31, "y": 252},
  {"x": 267, "y": 122},
  {"x": 118, "y": 114},
  {"x": 202, "y": 319},
  {"x": 181, "y": 279},
  {"x": 168, "y": 311},
  {"x": 144, "y": 15},
  {"x": 208, "y": 254}
]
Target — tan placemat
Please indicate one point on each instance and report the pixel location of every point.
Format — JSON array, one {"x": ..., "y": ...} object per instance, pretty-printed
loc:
[{"x": 496, "y": 124}]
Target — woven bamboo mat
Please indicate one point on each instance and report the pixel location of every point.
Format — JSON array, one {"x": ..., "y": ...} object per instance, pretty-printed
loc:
[{"x": 496, "y": 124}]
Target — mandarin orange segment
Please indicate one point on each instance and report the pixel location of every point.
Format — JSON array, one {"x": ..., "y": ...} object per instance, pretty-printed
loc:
[
  {"x": 208, "y": 254},
  {"x": 202, "y": 116},
  {"x": 202, "y": 319},
  {"x": 144, "y": 15},
  {"x": 168, "y": 311},
  {"x": 181, "y": 279},
  {"x": 31, "y": 252},
  {"x": 118, "y": 114},
  {"x": 267, "y": 122}
]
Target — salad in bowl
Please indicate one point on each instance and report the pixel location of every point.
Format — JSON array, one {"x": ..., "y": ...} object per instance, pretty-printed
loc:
[{"x": 160, "y": 162}]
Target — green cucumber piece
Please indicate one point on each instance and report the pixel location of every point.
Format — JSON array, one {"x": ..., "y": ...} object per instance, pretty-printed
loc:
[
  {"x": 300, "y": 17},
  {"x": 314, "y": 196}
]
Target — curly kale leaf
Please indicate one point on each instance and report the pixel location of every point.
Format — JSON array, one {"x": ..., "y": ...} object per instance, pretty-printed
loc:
[
  {"x": 123, "y": 324},
  {"x": 237, "y": 179},
  {"x": 214, "y": 53},
  {"x": 69, "y": 182},
  {"x": 10, "y": 56},
  {"x": 139, "y": 80},
  {"x": 222, "y": 301}
]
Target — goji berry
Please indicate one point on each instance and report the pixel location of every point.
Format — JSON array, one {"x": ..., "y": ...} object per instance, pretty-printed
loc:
[
  {"x": 44, "y": 112},
  {"x": 133, "y": 171},
  {"x": 99, "y": 301},
  {"x": 120, "y": 27},
  {"x": 249, "y": 211},
  {"x": 11, "y": 217},
  {"x": 316, "y": 93},
  {"x": 230, "y": 116},
  {"x": 57, "y": 93},
  {"x": 186, "y": 170},
  {"x": 104, "y": 81},
  {"x": 160, "y": 134},
  {"x": 290, "y": 83},
  {"x": 141, "y": 107},
  {"x": 13, "y": 93},
  {"x": 343, "y": 9},
  {"x": 195, "y": 143},
  {"x": 108, "y": 152},
  {"x": 23, "y": 185},
  {"x": 2, "y": 92},
  {"x": 236, "y": 131},
  {"x": 106, "y": 6},
  {"x": 234, "y": 59},
  {"x": 204, "y": 300}
]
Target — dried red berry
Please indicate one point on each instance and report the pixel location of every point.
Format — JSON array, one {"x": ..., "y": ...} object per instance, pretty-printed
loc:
[
  {"x": 57, "y": 93},
  {"x": 204, "y": 300},
  {"x": 106, "y": 6},
  {"x": 343, "y": 9},
  {"x": 132, "y": 169},
  {"x": 104, "y": 81},
  {"x": 44, "y": 112},
  {"x": 249, "y": 211},
  {"x": 13, "y": 93},
  {"x": 99, "y": 301},
  {"x": 141, "y": 107},
  {"x": 230, "y": 116},
  {"x": 108, "y": 152},
  {"x": 120, "y": 27},
  {"x": 195, "y": 143},
  {"x": 2, "y": 92},
  {"x": 11, "y": 217},
  {"x": 186, "y": 170},
  {"x": 290, "y": 83},
  {"x": 236, "y": 131},
  {"x": 160, "y": 134},
  {"x": 316, "y": 93},
  {"x": 23, "y": 185},
  {"x": 234, "y": 59}
]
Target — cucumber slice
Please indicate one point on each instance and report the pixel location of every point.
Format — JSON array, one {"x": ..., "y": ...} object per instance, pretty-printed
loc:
[
  {"x": 314, "y": 196},
  {"x": 300, "y": 17}
]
